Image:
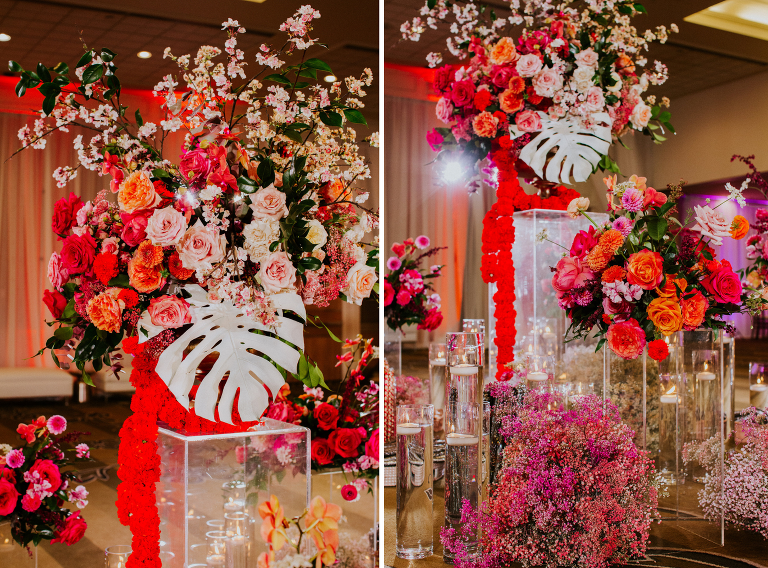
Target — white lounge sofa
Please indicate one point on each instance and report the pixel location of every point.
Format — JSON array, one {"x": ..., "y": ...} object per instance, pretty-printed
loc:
[{"x": 34, "y": 382}]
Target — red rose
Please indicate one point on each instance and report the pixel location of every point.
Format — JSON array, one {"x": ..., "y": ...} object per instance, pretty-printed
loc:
[
  {"x": 322, "y": 452},
  {"x": 432, "y": 320},
  {"x": 196, "y": 166},
  {"x": 135, "y": 227},
  {"x": 8, "y": 497},
  {"x": 500, "y": 76},
  {"x": 49, "y": 472},
  {"x": 78, "y": 253},
  {"x": 658, "y": 349},
  {"x": 326, "y": 415},
  {"x": 73, "y": 530},
  {"x": 372, "y": 445},
  {"x": 724, "y": 285},
  {"x": 443, "y": 77},
  {"x": 463, "y": 93},
  {"x": 55, "y": 301},
  {"x": 482, "y": 99},
  {"x": 8, "y": 474},
  {"x": 345, "y": 441},
  {"x": 105, "y": 267},
  {"x": 64, "y": 214},
  {"x": 280, "y": 411},
  {"x": 389, "y": 293},
  {"x": 349, "y": 492}
]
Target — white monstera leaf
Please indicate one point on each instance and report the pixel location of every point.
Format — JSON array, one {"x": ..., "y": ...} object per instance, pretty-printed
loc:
[
  {"x": 579, "y": 150},
  {"x": 226, "y": 330}
]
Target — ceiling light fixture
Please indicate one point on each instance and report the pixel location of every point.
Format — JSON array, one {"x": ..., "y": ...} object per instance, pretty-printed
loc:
[
  {"x": 144, "y": 55},
  {"x": 330, "y": 78},
  {"x": 744, "y": 17},
  {"x": 5, "y": 37}
]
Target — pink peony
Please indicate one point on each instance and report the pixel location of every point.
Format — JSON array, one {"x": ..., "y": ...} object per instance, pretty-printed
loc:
[
  {"x": 528, "y": 65},
  {"x": 268, "y": 204},
  {"x": 196, "y": 166},
  {"x": 169, "y": 312},
  {"x": 626, "y": 339},
  {"x": 724, "y": 284},
  {"x": 8, "y": 497},
  {"x": 134, "y": 227},
  {"x": 73, "y": 530},
  {"x": 583, "y": 242},
  {"x": 201, "y": 246},
  {"x": 280, "y": 411},
  {"x": 166, "y": 226},
  {"x": 57, "y": 274},
  {"x": 595, "y": 99},
  {"x": 394, "y": 263},
  {"x": 277, "y": 272},
  {"x": 57, "y": 424},
  {"x": 389, "y": 293},
  {"x": 711, "y": 224},
  {"x": 528, "y": 121},
  {"x": 422, "y": 242},
  {"x": 444, "y": 110},
  {"x": 570, "y": 273}
]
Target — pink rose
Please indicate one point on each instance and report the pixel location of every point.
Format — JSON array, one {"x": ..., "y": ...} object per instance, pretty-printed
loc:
[
  {"x": 528, "y": 65},
  {"x": 201, "y": 246},
  {"x": 412, "y": 281},
  {"x": 444, "y": 110},
  {"x": 570, "y": 273},
  {"x": 620, "y": 310},
  {"x": 277, "y": 272},
  {"x": 268, "y": 204},
  {"x": 78, "y": 253},
  {"x": 73, "y": 531},
  {"x": 196, "y": 166},
  {"x": 110, "y": 245},
  {"x": 547, "y": 82},
  {"x": 134, "y": 227},
  {"x": 528, "y": 121},
  {"x": 57, "y": 274},
  {"x": 31, "y": 503},
  {"x": 280, "y": 411},
  {"x": 403, "y": 297},
  {"x": 463, "y": 93},
  {"x": 169, "y": 312},
  {"x": 595, "y": 100},
  {"x": 372, "y": 445},
  {"x": 583, "y": 242},
  {"x": 435, "y": 140},
  {"x": 586, "y": 58},
  {"x": 432, "y": 320},
  {"x": 8, "y": 497},
  {"x": 49, "y": 472},
  {"x": 500, "y": 76},
  {"x": 166, "y": 226},
  {"x": 724, "y": 284},
  {"x": 389, "y": 293},
  {"x": 65, "y": 213}
]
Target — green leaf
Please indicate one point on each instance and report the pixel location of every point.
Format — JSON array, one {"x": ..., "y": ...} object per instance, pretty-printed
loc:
[
  {"x": 63, "y": 333},
  {"x": 48, "y": 104},
  {"x": 246, "y": 184},
  {"x": 139, "y": 120},
  {"x": 85, "y": 59},
  {"x": 640, "y": 9},
  {"x": 316, "y": 377},
  {"x": 657, "y": 227},
  {"x": 310, "y": 263},
  {"x": 315, "y": 63},
  {"x": 120, "y": 280},
  {"x": 354, "y": 115},
  {"x": 293, "y": 135},
  {"x": 330, "y": 118},
  {"x": 107, "y": 55},
  {"x": 21, "y": 87},
  {"x": 92, "y": 74},
  {"x": 266, "y": 172},
  {"x": 61, "y": 68},
  {"x": 14, "y": 67},
  {"x": 43, "y": 73},
  {"x": 87, "y": 379},
  {"x": 278, "y": 79},
  {"x": 160, "y": 173}
]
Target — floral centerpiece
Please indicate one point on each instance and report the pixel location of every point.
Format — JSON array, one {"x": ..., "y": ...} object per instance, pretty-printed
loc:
[
  {"x": 344, "y": 424},
  {"x": 260, "y": 217},
  {"x": 645, "y": 275},
  {"x": 739, "y": 490},
  {"x": 409, "y": 297},
  {"x": 36, "y": 481},
  {"x": 573, "y": 490},
  {"x": 755, "y": 275},
  {"x": 575, "y": 79}
]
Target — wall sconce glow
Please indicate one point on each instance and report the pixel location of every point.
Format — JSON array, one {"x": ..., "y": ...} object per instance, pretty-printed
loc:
[
  {"x": 329, "y": 78},
  {"x": 5, "y": 37},
  {"x": 144, "y": 55},
  {"x": 744, "y": 17}
]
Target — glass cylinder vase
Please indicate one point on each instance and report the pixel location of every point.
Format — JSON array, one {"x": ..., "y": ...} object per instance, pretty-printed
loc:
[
  {"x": 393, "y": 350},
  {"x": 12, "y": 553},
  {"x": 758, "y": 385}
]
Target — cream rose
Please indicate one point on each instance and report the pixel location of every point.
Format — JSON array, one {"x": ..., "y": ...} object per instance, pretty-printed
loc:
[
  {"x": 577, "y": 206},
  {"x": 166, "y": 226},
  {"x": 360, "y": 281},
  {"x": 258, "y": 236},
  {"x": 547, "y": 82},
  {"x": 169, "y": 312},
  {"x": 595, "y": 100},
  {"x": 268, "y": 204},
  {"x": 201, "y": 246},
  {"x": 277, "y": 272},
  {"x": 587, "y": 58},
  {"x": 317, "y": 235},
  {"x": 528, "y": 65},
  {"x": 583, "y": 78},
  {"x": 640, "y": 116}
]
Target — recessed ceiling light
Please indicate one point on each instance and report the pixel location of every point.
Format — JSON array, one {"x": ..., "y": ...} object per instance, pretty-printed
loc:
[
  {"x": 745, "y": 17},
  {"x": 144, "y": 54},
  {"x": 330, "y": 78},
  {"x": 5, "y": 37}
]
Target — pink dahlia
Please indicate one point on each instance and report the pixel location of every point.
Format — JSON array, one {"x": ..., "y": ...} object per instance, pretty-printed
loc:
[
  {"x": 422, "y": 242},
  {"x": 622, "y": 225},
  {"x": 57, "y": 424},
  {"x": 14, "y": 459},
  {"x": 632, "y": 200},
  {"x": 394, "y": 263}
]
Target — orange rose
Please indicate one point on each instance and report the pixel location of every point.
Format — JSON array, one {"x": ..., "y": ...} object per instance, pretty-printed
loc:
[
  {"x": 666, "y": 315},
  {"x": 510, "y": 102},
  {"x": 694, "y": 309},
  {"x": 137, "y": 192},
  {"x": 145, "y": 279},
  {"x": 739, "y": 227},
  {"x": 504, "y": 51},
  {"x": 668, "y": 289},
  {"x": 644, "y": 268},
  {"x": 485, "y": 125},
  {"x": 106, "y": 310}
]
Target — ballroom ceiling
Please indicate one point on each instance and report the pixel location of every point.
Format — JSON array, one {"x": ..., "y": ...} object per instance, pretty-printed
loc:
[
  {"x": 50, "y": 32},
  {"x": 698, "y": 57}
]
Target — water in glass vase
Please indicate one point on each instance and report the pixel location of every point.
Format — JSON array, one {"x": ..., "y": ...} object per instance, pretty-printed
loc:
[
  {"x": 462, "y": 481},
  {"x": 414, "y": 489}
]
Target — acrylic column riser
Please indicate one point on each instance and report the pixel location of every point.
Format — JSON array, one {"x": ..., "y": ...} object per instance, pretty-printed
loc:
[{"x": 206, "y": 477}]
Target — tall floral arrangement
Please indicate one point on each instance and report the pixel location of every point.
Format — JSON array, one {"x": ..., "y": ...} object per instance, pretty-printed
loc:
[
  {"x": 573, "y": 490},
  {"x": 409, "y": 297},
  {"x": 344, "y": 424},
  {"x": 739, "y": 490},
  {"x": 644, "y": 274},
  {"x": 755, "y": 274},
  {"x": 36, "y": 480},
  {"x": 576, "y": 73}
]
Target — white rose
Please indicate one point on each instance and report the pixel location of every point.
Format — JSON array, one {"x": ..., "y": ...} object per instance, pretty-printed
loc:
[
  {"x": 617, "y": 87},
  {"x": 317, "y": 235},
  {"x": 583, "y": 78},
  {"x": 360, "y": 281},
  {"x": 360, "y": 255},
  {"x": 355, "y": 233},
  {"x": 258, "y": 236}
]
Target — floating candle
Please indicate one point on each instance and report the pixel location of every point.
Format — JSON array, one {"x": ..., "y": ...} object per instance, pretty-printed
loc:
[
  {"x": 705, "y": 376},
  {"x": 758, "y": 388},
  {"x": 438, "y": 362},
  {"x": 408, "y": 429},
  {"x": 454, "y": 439},
  {"x": 537, "y": 376},
  {"x": 464, "y": 370},
  {"x": 669, "y": 398}
]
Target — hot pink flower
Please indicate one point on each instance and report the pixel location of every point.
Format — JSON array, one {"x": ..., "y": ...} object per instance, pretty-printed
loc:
[
  {"x": 394, "y": 263},
  {"x": 78, "y": 253},
  {"x": 435, "y": 140},
  {"x": 724, "y": 284},
  {"x": 349, "y": 492},
  {"x": 372, "y": 445},
  {"x": 57, "y": 424},
  {"x": 389, "y": 293},
  {"x": 49, "y": 472},
  {"x": 463, "y": 93},
  {"x": 73, "y": 530},
  {"x": 422, "y": 242},
  {"x": 134, "y": 227},
  {"x": 403, "y": 297},
  {"x": 432, "y": 320},
  {"x": 15, "y": 459},
  {"x": 570, "y": 273},
  {"x": 82, "y": 451},
  {"x": 196, "y": 166},
  {"x": 31, "y": 503},
  {"x": 8, "y": 497},
  {"x": 583, "y": 242}
]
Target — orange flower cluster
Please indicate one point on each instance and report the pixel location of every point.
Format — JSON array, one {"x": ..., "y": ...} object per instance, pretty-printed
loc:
[
  {"x": 145, "y": 269},
  {"x": 106, "y": 310}
]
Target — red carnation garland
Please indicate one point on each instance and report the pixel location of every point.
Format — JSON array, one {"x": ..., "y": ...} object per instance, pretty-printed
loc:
[
  {"x": 138, "y": 457},
  {"x": 498, "y": 238}
]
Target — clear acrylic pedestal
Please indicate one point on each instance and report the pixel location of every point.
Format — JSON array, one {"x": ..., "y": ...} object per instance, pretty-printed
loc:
[
  {"x": 207, "y": 480},
  {"x": 540, "y": 322}
]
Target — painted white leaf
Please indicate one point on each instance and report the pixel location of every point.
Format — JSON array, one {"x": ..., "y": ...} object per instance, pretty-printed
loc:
[
  {"x": 227, "y": 331},
  {"x": 578, "y": 150}
]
